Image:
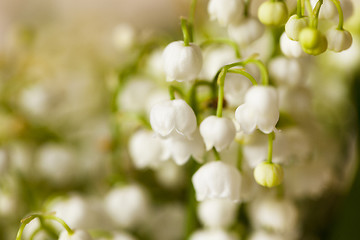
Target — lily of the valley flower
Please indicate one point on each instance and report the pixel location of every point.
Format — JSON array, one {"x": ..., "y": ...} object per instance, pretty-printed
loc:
[
  {"x": 180, "y": 62},
  {"x": 173, "y": 116},
  {"x": 290, "y": 48},
  {"x": 294, "y": 25},
  {"x": 226, "y": 12},
  {"x": 217, "y": 180},
  {"x": 338, "y": 40},
  {"x": 212, "y": 234},
  {"x": 260, "y": 110},
  {"x": 217, "y": 132},
  {"x": 247, "y": 31}
]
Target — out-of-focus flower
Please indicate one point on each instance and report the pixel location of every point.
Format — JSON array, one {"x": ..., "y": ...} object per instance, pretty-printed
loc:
[
  {"x": 273, "y": 13},
  {"x": 247, "y": 31},
  {"x": 77, "y": 235},
  {"x": 287, "y": 72},
  {"x": 290, "y": 48},
  {"x": 217, "y": 180},
  {"x": 338, "y": 40},
  {"x": 229, "y": 12},
  {"x": 212, "y": 234}
]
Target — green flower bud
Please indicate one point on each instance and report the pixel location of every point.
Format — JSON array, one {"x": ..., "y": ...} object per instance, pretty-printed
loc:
[
  {"x": 312, "y": 41},
  {"x": 294, "y": 25},
  {"x": 273, "y": 13},
  {"x": 268, "y": 174}
]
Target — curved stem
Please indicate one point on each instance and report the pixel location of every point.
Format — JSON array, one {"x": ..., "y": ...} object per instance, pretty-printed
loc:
[
  {"x": 309, "y": 11},
  {"x": 223, "y": 41},
  {"x": 172, "y": 90},
  {"x": 341, "y": 15},
  {"x": 246, "y": 74},
  {"x": 271, "y": 137},
  {"x": 316, "y": 13},
  {"x": 185, "y": 31},
  {"x": 193, "y": 92},
  {"x": 263, "y": 71}
]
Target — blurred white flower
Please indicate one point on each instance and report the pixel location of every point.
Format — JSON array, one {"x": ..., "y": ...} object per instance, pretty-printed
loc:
[
  {"x": 212, "y": 234},
  {"x": 226, "y": 12},
  {"x": 180, "y": 62},
  {"x": 217, "y": 132},
  {"x": 122, "y": 236},
  {"x": 173, "y": 116},
  {"x": 170, "y": 175},
  {"x": 338, "y": 40},
  {"x": 35, "y": 100},
  {"x": 217, "y": 213},
  {"x": 260, "y": 110},
  {"x": 263, "y": 235},
  {"x": 235, "y": 88},
  {"x": 247, "y": 31},
  {"x": 145, "y": 149},
  {"x": 294, "y": 25},
  {"x": 127, "y": 206},
  {"x": 217, "y": 180},
  {"x": 180, "y": 148},
  {"x": 287, "y": 71},
  {"x": 77, "y": 235},
  {"x": 279, "y": 215},
  {"x": 124, "y": 36},
  {"x": 290, "y": 48}
]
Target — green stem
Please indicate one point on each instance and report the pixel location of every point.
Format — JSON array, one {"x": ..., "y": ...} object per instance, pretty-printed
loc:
[
  {"x": 172, "y": 90},
  {"x": 223, "y": 41},
  {"x": 271, "y": 137},
  {"x": 263, "y": 71},
  {"x": 216, "y": 154},
  {"x": 246, "y": 8},
  {"x": 246, "y": 74},
  {"x": 193, "y": 93},
  {"x": 221, "y": 83},
  {"x": 28, "y": 219},
  {"x": 185, "y": 31},
  {"x": 35, "y": 233},
  {"x": 309, "y": 11},
  {"x": 299, "y": 8},
  {"x": 316, "y": 13},
  {"x": 341, "y": 15},
  {"x": 240, "y": 157},
  {"x": 191, "y": 19}
]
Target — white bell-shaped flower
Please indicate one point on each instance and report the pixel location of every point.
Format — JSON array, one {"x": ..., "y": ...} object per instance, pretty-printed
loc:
[
  {"x": 180, "y": 62},
  {"x": 290, "y": 48},
  {"x": 217, "y": 132},
  {"x": 338, "y": 40},
  {"x": 226, "y": 12},
  {"x": 173, "y": 116},
  {"x": 127, "y": 206},
  {"x": 77, "y": 235},
  {"x": 145, "y": 149},
  {"x": 260, "y": 110},
  {"x": 247, "y": 31},
  {"x": 217, "y": 213},
  {"x": 180, "y": 148},
  {"x": 287, "y": 71},
  {"x": 235, "y": 88},
  {"x": 294, "y": 25},
  {"x": 212, "y": 234},
  {"x": 217, "y": 180}
]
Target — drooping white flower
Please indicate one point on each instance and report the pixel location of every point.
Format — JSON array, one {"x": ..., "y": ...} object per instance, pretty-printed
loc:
[
  {"x": 287, "y": 71},
  {"x": 235, "y": 88},
  {"x": 77, "y": 235},
  {"x": 180, "y": 148},
  {"x": 217, "y": 132},
  {"x": 127, "y": 206},
  {"x": 226, "y": 12},
  {"x": 247, "y": 31},
  {"x": 260, "y": 110},
  {"x": 180, "y": 62},
  {"x": 173, "y": 116},
  {"x": 212, "y": 234},
  {"x": 279, "y": 215},
  {"x": 217, "y": 180},
  {"x": 338, "y": 40},
  {"x": 290, "y": 48},
  {"x": 217, "y": 213},
  {"x": 294, "y": 25},
  {"x": 145, "y": 149}
]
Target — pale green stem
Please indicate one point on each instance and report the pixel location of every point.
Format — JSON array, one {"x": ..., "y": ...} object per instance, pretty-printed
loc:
[
  {"x": 172, "y": 90},
  {"x": 216, "y": 154},
  {"x": 191, "y": 19},
  {"x": 316, "y": 13},
  {"x": 223, "y": 41},
  {"x": 341, "y": 15},
  {"x": 271, "y": 137},
  {"x": 309, "y": 10},
  {"x": 185, "y": 31},
  {"x": 298, "y": 9},
  {"x": 246, "y": 74}
]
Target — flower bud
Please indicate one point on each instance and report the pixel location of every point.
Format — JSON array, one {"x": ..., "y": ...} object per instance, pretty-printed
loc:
[
  {"x": 180, "y": 62},
  {"x": 273, "y": 13},
  {"x": 217, "y": 180},
  {"x": 217, "y": 132},
  {"x": 312, "y": 41},
  {"x": 338, "y": 40},
  {"x": 294, "y": 25},
  {"x": 226, "y": 12},
  {"x": 268, "y": 174}
]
